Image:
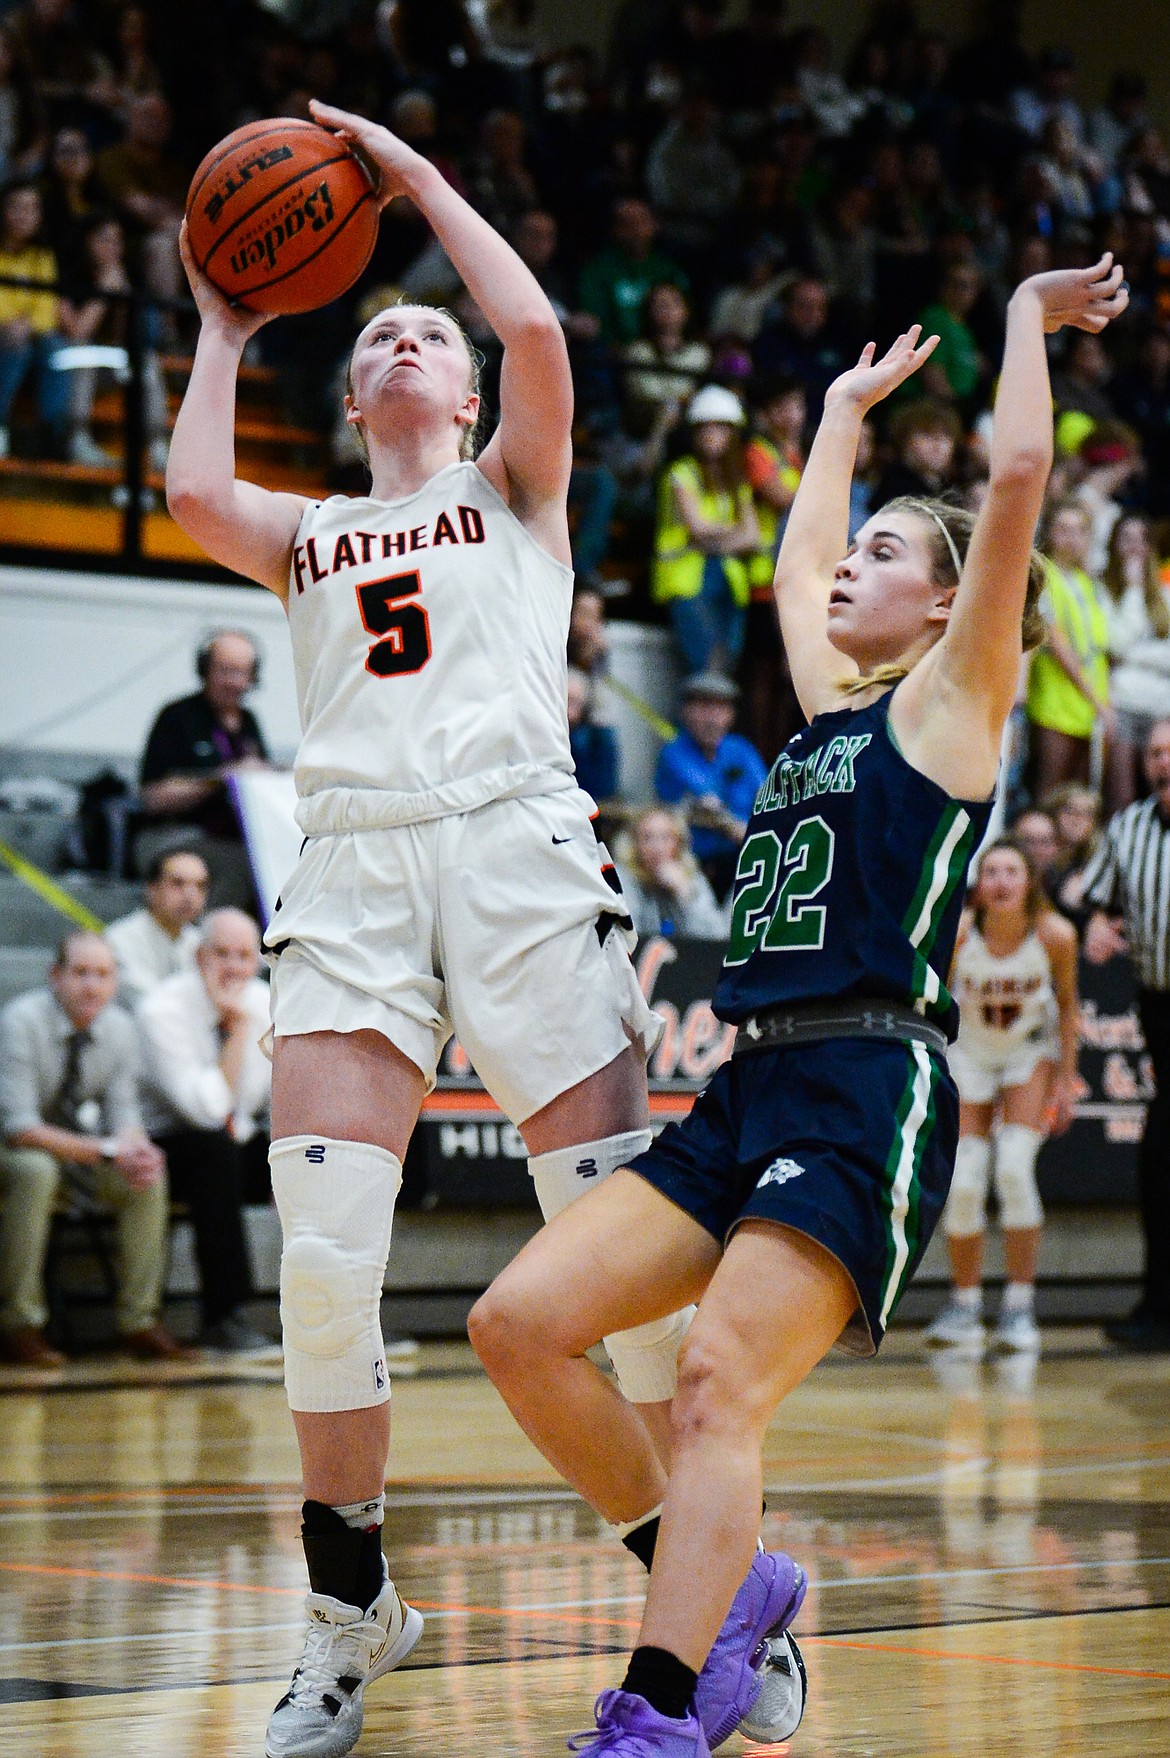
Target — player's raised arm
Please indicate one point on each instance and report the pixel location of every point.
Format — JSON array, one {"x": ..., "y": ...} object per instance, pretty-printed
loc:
[
  {"x": 247, "y": 528},
  {"x": 978, "y": 658},
  {"x": 530, "y": 456},
  {"x": 816, "y": 536}
]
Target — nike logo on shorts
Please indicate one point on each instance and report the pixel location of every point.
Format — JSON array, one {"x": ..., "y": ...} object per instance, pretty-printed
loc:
[{"x": 557, "y": 840}]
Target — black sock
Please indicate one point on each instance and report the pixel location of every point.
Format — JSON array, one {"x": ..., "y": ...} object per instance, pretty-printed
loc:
[
  {"x": 343, "y": 1562},
  {"x": 642, "y": 1539},
  {"x": 667, "y": 1684}
]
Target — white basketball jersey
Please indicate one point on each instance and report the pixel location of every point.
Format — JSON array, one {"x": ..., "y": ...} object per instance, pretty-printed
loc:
[
  {"x": 1003, "y": 1002},
  {"x": 428, "y": 639}
]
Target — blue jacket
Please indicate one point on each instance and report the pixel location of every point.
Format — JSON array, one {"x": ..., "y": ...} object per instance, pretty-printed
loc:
[
  {"x": 595, "y": 753},
  {"x": 734, "y": 775}
]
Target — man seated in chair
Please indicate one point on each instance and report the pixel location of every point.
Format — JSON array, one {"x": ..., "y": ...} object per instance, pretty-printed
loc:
[
  {"x": 69, "y": 1122},
  {"x": 206, "y": 1090}
]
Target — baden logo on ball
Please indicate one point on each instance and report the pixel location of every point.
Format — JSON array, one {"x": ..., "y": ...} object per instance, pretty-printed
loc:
[{"x": 282, "y": 216}]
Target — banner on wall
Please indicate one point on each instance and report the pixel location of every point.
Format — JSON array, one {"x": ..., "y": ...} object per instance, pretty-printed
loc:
[{"x": 466, "y": 1153}]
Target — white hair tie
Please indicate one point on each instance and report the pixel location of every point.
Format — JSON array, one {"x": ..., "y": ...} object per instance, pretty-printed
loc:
[{"x": 924, "y": 507}]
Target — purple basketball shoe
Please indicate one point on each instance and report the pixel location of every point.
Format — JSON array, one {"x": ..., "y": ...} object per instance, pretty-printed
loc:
[
  {"x": 627, "y": 1727},
  {"x": 729, "y": 1685}
]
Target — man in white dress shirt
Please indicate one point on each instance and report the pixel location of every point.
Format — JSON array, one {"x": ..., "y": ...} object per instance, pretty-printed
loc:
[
  {"x": 206, "y": 1087},
  {"x": 159, "y": 940},
  {"x": 69, "y": 1115}
]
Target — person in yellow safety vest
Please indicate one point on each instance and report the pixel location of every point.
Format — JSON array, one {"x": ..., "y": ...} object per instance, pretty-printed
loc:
[
  {"x": 774, "y": 461},
  {"x": 707, "y": 533},
  {"x": 1068, "y": 682}
]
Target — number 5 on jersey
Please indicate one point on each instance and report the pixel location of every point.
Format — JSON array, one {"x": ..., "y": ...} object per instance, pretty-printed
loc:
[
  {"x": 404, "y": 628},
  {"x": 783, "y": 920}
]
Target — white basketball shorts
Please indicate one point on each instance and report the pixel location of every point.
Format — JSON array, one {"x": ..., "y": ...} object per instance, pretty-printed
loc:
[
  {"x": 482, "y": 923},
  {"x": 982, "y": 1076}
]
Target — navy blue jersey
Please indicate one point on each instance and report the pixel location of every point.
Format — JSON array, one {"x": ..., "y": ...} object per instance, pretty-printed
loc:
[{"x": 850, "y": 880}]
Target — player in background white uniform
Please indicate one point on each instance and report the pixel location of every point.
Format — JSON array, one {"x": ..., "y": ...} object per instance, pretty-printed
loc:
[
  {"x": 1014, "y": 1062},
  {"x": 451, "y": 877}
]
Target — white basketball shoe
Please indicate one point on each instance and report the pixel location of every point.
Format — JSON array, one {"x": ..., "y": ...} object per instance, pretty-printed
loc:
[
  {"x": 775, "y": 1714},
  {"x": 958, "y": 1327},
  {"x": 345, "y": 1650}
]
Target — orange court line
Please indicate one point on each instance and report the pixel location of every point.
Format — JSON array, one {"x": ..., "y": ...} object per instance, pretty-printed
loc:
[{"x": 1060, "y": 1666}]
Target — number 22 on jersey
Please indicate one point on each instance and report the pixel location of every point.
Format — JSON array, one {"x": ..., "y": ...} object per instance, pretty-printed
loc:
[
  {"x": 774, "y": 886},
  {"x": 403, "y": 628}
]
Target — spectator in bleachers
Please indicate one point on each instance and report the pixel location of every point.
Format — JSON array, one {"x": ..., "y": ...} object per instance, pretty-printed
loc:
[
  {"x": 1035, "y": 832},
  {"x": 594, "y": 747},
  {"x": 713, "y": 773},
  {"x": 135, "y": 71},
  {"x": 616, "y": 283},
  {"x": 101, "y": 316},
  {"x": 22, "y": 121},
  {"x": 1079, "y": 389},
  {"x": 1076, "y": 817},
  {"x": 1123, "y": 114},
  {"x": 1142, "y": 395},
  {"x": 206, "y": 1089},
  {"x": 71, "y": 1126},
  {"x": 588, "y": 644},
  {"x": 800, "y": 342},
  {"x": 159, "y": 940},
  {"x": 68, "y": 73},
  {"x": 925, "y": 436},
  {"x": 663, "y": 885},
  {"x": 1068, "y": 681},
  {"x": 773, "y": 463},
  {"x": 1137, "y": 605},
  {"x": 70, "y": 194},
  {"x": 707, "y": 534},
  {"x": 144, "y": 180},
  {"x": 692, "y": 177},
  {"x": 34, "y": 323},
  {"x": 666, "y": 364},
  {"x": 195, "y": 745},
  {"x": 500, "y": 181},
  {"x": 956, "y": 370}
]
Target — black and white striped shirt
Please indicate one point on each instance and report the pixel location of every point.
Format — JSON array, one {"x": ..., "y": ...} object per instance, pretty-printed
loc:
[{"x": 1130, "y": 876}]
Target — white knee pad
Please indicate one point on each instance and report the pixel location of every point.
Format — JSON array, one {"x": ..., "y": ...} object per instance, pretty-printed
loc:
[
  {"x": 966, "y": 1210},
  {"x": 336, "y": 1201},
  {"x": 644, "y": 1359},
  {"x": 1015, "y": 1176}
]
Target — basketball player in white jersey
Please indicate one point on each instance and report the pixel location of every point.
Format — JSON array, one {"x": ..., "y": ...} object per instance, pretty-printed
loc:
[
  {"x": 450, "y": 880},
  {"x": 1015, "y": 1060}
]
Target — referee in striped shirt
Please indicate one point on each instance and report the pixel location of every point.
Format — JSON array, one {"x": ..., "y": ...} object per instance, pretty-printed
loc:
[{"x": 1128, "y": 884}]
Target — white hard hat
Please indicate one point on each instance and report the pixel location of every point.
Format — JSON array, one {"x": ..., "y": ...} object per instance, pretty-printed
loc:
[{"x": 714, "y": 403}]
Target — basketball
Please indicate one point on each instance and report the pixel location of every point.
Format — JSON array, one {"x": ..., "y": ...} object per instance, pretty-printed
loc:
[{"x": 281, "y": 216}]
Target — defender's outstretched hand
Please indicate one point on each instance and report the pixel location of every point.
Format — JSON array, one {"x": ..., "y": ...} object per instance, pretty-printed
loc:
[
  {"x": 1084, "y": 299},
  {"x": 870, "y": 380},
  {"x": 236, "y": 321},
  {"x": 395, "y": 163}
]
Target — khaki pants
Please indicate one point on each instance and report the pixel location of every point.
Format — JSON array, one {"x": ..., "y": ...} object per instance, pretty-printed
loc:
[{"x": 28, "y": 1180}]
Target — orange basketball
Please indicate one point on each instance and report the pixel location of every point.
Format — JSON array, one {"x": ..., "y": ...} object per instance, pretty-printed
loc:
[{"x": 282, "y": 216}]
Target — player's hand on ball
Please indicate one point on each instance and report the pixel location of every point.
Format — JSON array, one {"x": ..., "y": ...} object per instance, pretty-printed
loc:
[
  {"x": 1084, "y": 299},
  {"x": 395, "y": 163},
  {"x": 237, "y": 321}
]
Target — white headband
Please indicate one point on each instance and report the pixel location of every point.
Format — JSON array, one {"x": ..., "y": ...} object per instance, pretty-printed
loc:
[{"x": 923, "y": 507}]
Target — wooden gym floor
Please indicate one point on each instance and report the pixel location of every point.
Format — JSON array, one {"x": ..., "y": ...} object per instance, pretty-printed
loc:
[{"x": 989, "y": 1554}]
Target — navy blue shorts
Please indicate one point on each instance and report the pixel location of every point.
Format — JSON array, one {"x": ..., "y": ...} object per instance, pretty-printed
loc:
[{"x": 849, "y": 1140}]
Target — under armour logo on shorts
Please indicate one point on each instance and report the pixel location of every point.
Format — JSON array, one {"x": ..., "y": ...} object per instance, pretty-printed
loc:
[
  {"x": 316, "y": 1154},
  {"x": 587, "y": 1168},
  {"x": 779, "y": 1172}
]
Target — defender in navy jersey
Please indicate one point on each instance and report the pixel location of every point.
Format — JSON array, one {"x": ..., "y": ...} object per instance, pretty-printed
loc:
[{"x": 795, "y": 1199}]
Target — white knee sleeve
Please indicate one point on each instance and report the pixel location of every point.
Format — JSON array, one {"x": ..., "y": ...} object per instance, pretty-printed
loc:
[
  {"x": 336, "y": 1201},
  {"x": 966, "y": 1210},
  {"x": 644, "y": 1359},
  {"x": 1015, "y": 1176}
]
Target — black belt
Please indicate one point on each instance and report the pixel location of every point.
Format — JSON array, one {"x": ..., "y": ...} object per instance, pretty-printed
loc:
[{"x": 886, "y": 1021}]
